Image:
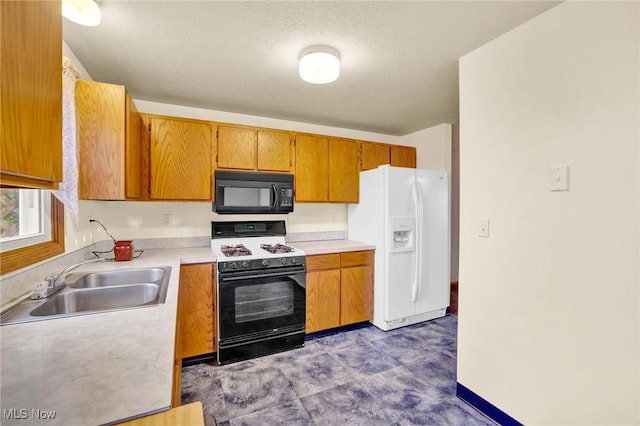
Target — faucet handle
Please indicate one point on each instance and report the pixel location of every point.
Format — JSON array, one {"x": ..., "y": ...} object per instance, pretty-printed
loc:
[{"x": 39, "y": 289}]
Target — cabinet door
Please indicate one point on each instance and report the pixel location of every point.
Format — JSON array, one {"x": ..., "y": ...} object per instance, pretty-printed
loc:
[
  {"x": 274, "y": 151},
  {"x": 356, "y": 295},
  {"x": 133, "y": 157},
  {"x": 196, "y": 309},
  {"x": 236, "y": 148},
  {"x": 312, "y": 168},
  {"x": 100, "y": 122},
  {"x": 403, "y": 156},
  {"x": 180, "y": 159},
  {"x": 344, "y": 173},
  {"x": 374, "y": 155},
  {"x": 323, "y": 300},
  {"x": 31, "y": 95}
]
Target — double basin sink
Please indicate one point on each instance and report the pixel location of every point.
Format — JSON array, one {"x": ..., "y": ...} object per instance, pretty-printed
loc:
[{"x": 95, "y": 292}]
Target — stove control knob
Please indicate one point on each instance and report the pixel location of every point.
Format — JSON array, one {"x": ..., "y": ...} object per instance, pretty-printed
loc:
[
  {"x": 245, "y": 264},
  {"x": 233, "y": 265},
  {"x": 293, "y": 260},
  {"x": 283, "y": 260},
  {"x": 265, "y": 262}
]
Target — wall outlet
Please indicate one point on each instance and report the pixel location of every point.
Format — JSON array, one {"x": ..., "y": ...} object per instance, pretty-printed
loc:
[
  {"x": 483, "y": 228},
  {"x": 168, "y": 219}
]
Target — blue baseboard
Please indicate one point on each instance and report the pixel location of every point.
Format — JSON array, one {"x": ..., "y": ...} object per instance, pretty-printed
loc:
[{"x": 485, "y": 406}]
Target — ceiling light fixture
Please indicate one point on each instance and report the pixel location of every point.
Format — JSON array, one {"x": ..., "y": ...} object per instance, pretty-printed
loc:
[
  {"x": 83, "y": 12},
  {"x": 319, "y": 64}
]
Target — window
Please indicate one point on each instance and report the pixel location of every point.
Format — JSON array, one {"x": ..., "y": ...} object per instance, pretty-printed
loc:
[
  {"x": 31, "y": 227},
  {"x": 24, "y": 218}
]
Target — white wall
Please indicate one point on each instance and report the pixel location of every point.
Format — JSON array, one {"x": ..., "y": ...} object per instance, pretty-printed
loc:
[{"x": 549, "y": 303}]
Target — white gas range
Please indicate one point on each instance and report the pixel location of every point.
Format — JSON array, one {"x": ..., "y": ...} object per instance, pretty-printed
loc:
[{"x": 261, "y": 289}]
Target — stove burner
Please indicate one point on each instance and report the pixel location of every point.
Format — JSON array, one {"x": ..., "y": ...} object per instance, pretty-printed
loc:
[
  {"x": 237, "y": 250},
  {"x": 277, "y": 248}
]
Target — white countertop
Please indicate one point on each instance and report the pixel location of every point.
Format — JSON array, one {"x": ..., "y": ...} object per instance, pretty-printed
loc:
[
  {"x": 98, "y": 368},
  {"x": 330, "y": 246}
]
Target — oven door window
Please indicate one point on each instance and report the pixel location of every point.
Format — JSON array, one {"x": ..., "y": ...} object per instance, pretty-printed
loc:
[
  {"x": 250, "y": 305},
  {"x": 263, "y": 301}
]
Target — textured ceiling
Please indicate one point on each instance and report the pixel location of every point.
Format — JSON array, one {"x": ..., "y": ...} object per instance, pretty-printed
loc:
[{"x": 399, "y": 59}]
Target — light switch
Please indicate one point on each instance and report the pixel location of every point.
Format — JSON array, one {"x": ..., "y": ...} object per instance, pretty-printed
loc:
[
  {"x": 558, "y": 178},
  {"x": 483, "y": 228}
]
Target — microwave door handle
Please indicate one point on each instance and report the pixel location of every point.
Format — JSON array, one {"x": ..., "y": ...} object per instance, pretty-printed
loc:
[{"x": 275, "y": 196}]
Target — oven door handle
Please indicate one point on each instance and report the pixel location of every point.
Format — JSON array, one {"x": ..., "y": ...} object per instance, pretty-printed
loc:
[{"x": 263, "y": 275}]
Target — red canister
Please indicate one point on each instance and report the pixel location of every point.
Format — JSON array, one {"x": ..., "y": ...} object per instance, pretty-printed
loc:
[{"x": 123, "y": 250}]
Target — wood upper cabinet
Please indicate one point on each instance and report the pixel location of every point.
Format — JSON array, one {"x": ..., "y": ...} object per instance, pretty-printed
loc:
[
  {"x": 249, "y": 148},
  {"x": 339, "y": 289},
  {"x": 312, "y": 168},
  {"x": 344, "y": 173},
  {"x": 109, "y": 145},
  {"x": 196, "y": 310},
  {"x": 403, "y": 156},
  {"x": 236, "y": 147},
  {"x": 180, "y": 159},
  {"x": 31, "y": 95},
  {"x": 373, "y": 155},
  {"x": 274, "y": 151}
]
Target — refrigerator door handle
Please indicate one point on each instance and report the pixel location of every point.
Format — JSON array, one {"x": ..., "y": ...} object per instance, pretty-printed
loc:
[{"x": 417, "y": 203}]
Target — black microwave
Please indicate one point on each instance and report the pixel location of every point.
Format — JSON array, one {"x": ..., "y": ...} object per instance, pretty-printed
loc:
[{"x": 253, "y": 193}]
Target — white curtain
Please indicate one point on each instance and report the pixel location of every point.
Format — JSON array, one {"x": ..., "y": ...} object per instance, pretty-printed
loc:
[{"x": 67, "y": 191}]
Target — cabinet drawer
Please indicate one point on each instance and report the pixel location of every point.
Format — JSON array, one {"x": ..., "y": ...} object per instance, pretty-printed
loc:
[
  {"x": 355, "y": 258},
  {"x": 323, "y": 261}
]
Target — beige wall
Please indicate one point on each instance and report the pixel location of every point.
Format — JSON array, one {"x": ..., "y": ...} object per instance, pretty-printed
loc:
[
  {"x": 549, "y": 303},
  {"x": 433, "y": 147}
]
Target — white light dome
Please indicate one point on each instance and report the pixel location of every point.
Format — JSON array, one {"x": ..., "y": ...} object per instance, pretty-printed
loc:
[
  {"x": 83, "y": 12},
  {"x": 319, "y": 65}
]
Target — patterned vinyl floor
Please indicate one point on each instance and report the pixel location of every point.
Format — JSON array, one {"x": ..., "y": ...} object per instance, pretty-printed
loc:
[{"x": 359, "y": 377}]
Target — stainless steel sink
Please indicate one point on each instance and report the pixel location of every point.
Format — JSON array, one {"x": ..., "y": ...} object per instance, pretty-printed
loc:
[
  {"x": 101, "y": 299},
  {"x": 115, "y": 278},
  {"x": 96, "y": 292}
]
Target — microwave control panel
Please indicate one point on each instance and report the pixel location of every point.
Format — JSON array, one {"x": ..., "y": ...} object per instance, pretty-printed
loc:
[{"x": 286, "y": 197}]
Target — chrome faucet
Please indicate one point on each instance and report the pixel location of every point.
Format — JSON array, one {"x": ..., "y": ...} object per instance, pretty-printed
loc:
[{"x": 56, "y": 282}]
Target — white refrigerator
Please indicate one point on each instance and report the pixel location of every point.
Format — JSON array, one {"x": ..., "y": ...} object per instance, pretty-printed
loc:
[{"x": 405, "y": 213}]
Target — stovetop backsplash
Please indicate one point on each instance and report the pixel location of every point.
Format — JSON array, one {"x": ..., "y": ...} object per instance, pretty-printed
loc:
[{"x": 293, "y": 237}]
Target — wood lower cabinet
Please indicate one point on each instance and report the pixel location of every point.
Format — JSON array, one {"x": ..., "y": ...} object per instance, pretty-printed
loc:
[
  {"x": 31, "y": 95},
  {"x": 323, "y": 300},
  {"x": 356, "y": 297},
  {"x": 403, "y": 156},
  {"x": 109, "y": 145},
  {"x": 196, "y": 318},
  {"x": 312, "y": 168},
  {"x": 181, "y": 164},
  {"x": 339, "y": 289}
]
